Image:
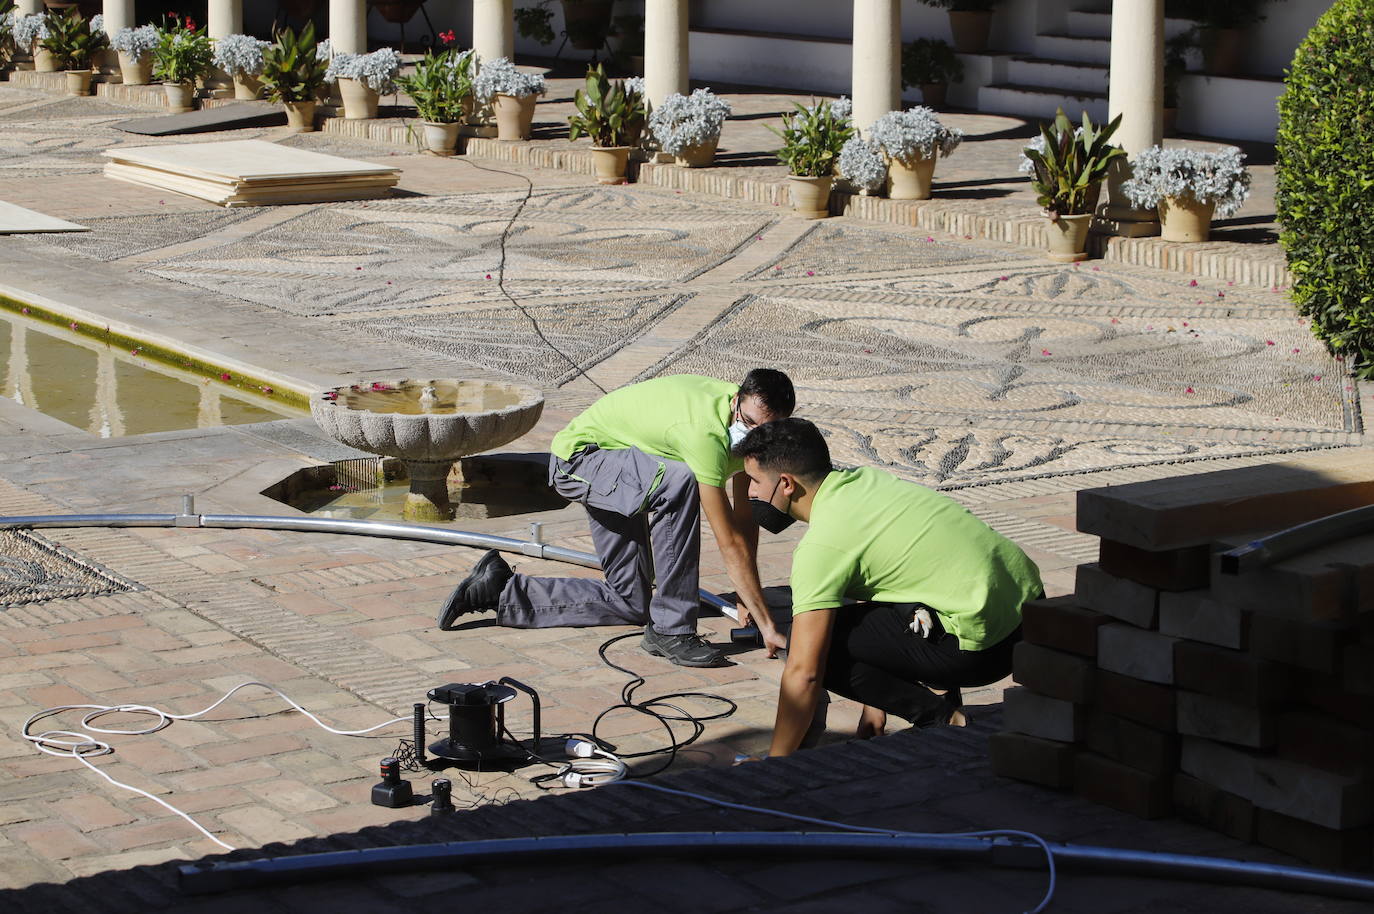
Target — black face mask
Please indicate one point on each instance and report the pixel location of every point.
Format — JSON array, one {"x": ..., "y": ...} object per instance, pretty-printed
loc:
[{"x": 769, "y": 517}]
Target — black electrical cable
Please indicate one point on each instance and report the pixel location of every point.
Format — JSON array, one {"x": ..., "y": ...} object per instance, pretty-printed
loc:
[{"x": 501, "y": 268}]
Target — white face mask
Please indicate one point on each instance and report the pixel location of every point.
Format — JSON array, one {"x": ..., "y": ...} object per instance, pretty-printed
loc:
[{"x": 737, "y": 432}]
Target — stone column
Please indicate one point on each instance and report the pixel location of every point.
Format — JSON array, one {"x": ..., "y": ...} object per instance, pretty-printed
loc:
[
  {"x": 29, "y": 7},
  {"x": 877, "y": 67},
  {"x": 347, "y": 26},
  {"x": 119, "y": 14},
  {"x": 493, "y": 28},
  {"x": 223, "y": 17},
  {"x": 665, "y": 49},
  {"x": 1137, "y": 94}
]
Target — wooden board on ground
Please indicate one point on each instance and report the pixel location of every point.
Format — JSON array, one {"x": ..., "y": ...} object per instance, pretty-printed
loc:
[
  {"x": 250, "y": 173},
  {"x": 208, "y": 120},
  {"x": 16, "y": 220}
]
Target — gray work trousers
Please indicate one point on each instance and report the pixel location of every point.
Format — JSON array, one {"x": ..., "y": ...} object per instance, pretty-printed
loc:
[{"x": 633, "y": 500}]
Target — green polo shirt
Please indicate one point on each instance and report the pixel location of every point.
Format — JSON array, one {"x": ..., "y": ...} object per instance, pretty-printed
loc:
[
  {"x": 681, "y": 417},
  {"x": 874, "y": 537}
]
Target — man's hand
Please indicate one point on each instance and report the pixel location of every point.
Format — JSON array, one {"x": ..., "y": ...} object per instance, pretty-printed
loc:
[{"x": 773, "y": 640}]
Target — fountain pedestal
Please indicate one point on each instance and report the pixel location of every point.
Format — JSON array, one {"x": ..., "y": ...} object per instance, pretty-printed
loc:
[{"x": 428, "y": 424}]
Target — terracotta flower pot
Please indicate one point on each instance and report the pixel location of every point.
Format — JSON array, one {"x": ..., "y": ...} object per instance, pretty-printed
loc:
[
  {"x": 1222, "y": 51},
  {"x": 247, "y": 87},
  {"x": 43, "y": 59},
  {"x": 810, "y": 196},
  {"x": 514, "y": 116},
  {"x": 78, "y": 82},
  {"x": 698, "y": 156},
  {"x": 135, "y": 72},
  {"x": 1067, "y": 238},
  {"x": 300, "y": 116},
  {"x": 360, "y": 102},
  {"x": 1185, "y": 220},
  {"x": 180, "y": 97},
  {"x": 441, "y": 139},
  {"x": 970, "y": 30},
  {"x": 610, "y": 163},
  {"x": 934, "y": 94},
  {"x": 587, "y": 22},
  {"x": 909, "y": 179}
]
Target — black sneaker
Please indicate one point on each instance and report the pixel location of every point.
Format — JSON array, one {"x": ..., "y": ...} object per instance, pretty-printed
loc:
[
  {"x": 480, "y": 591},
  {"x": 684, "y": 650}
]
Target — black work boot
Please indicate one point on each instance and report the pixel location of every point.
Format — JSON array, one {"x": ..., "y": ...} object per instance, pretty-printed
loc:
[
  {"x": 684, "y": 650},
  {"x": 478, "y": 592}
]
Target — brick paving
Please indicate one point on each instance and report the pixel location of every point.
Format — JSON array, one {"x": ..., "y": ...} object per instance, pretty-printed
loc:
[{"x": 345, "y": 627}]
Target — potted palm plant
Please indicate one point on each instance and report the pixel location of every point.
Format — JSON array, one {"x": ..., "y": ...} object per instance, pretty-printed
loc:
[
  {"x": 362, "y": 78},
  {"x": 912, "y": 140},
  {"x": 932, "y": 65},
  {"x": 135, "y": 47},
  {"x": 613, "y": 116},
  {"x": 512, "y": 95},
  {"x": 241, "y": 57},
  {"x": 688, "y": 126},
  {"x": 1188, "y": 186},
  {"x": 812, "y": 138},
  {"x": 970, "y": 22},
  {"x": 441, "y": 90},
  {"x": 182, "y": 56},
  {"x": 293, "y": 74},
  {"x": 1068, "y": 165},
  {"x": 71, "y": 41}
]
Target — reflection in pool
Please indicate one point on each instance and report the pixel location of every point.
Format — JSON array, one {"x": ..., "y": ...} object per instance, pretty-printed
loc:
[{"x": 109, "y": 391}]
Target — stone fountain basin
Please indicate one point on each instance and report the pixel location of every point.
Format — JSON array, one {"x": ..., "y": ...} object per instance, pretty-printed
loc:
[{"x": 388, "y": 418}]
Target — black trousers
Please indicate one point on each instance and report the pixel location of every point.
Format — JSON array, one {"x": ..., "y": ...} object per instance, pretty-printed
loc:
[{"x": 875, "y": 658}]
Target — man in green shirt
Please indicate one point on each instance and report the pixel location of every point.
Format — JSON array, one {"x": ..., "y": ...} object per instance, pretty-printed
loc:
[
  {"x": 658, "y": 449},
  {"x": 938, "y": 591}
]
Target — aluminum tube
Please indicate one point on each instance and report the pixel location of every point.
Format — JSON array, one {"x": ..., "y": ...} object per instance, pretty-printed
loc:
[
  {"x": 52, "y": 521},
  {"x": 218, "y": 876},
  {"x": 1299, "y": 539}
]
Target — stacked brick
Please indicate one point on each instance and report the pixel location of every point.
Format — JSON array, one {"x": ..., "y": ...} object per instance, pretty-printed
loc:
[{"x": 1242, "y": 702}]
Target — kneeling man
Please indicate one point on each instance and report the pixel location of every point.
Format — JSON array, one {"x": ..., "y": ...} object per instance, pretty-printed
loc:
[{"x": 938, "y": 591}]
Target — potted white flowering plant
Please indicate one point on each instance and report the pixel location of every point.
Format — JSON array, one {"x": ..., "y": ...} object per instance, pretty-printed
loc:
[
  {"x": 912, "y": 140},
  {"x": 241, "y": 57},
  {"x": 812, "y": 138},
  {"x": 441, "y": 90},
  {"x": 28, "y": 31},
  {"x": 688, "y": 126},
  {"x": 1188, "y": 186},
  {"x": 862, "y": 164},
  {"x": 361, "y": 78},
  {"x": 512, "y": 94},
  {"x": 135, "y": 48}
]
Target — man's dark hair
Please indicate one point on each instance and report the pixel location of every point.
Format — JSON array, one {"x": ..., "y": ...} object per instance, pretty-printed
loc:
[
  {"x": 774, "y": 390},
  {"x": 788, "y": 446}
]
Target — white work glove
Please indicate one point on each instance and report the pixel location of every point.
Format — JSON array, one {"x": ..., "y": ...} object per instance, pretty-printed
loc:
[{"x": 921, "y": 624}]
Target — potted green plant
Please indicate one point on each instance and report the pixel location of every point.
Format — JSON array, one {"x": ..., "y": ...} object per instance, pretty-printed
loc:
[
  {"x": 586, "y": 23},
  {"x": 512, "y": 94},
  {"x": 688, "y": 126},
  {"x": 613, "y": 117},
  {"x": 912, "y": 140},
  {"x": 629, "y": 29},
  {"x": 970, "y": 22},
  {"x": 812, "y": 138},
  {"x": 362, "y": 79},
  {"x": 182, "y": 56},
  {"x": 1188, "y": 186},
  {"x": 1175, "y": 67},
  {"x": 1068, "y": 165},
  {"x": 441, "y": 90},
  {"x": 1221, "y": 24},
  {"x": 71, "y": 41},
  {"x": 293, "y": 74},
  {"x": 135, "y": 47},
  {"x": 930, "y": 64},
  {"x": 240, "y": 56}
]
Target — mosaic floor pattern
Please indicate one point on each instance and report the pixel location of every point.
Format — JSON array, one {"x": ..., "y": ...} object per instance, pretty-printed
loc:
[{"x": 34, "y": 570}]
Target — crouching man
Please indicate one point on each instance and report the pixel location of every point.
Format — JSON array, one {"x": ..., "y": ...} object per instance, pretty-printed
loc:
[{"x": 938, "y": 591}]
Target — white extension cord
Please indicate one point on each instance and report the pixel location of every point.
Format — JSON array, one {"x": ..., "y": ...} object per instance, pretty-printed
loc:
[
  {"x": 83, "y": 743},
  {"x": 590, "y": 766}
]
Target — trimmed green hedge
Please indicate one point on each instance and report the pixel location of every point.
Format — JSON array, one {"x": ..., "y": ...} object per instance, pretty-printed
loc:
[{"x": 1325, "y": 180}]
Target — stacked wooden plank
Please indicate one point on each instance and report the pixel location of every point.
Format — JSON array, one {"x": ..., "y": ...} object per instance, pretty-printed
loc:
[
  {"x": 1244, "y": 702},
  {"x": 250, "y": 173}
]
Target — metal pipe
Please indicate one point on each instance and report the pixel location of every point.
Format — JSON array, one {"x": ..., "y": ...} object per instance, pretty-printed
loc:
[
  {"x": 1299, "y": 539},
  {"x": 217, "y": 876},
  {"x": 413, "y": 532}
]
